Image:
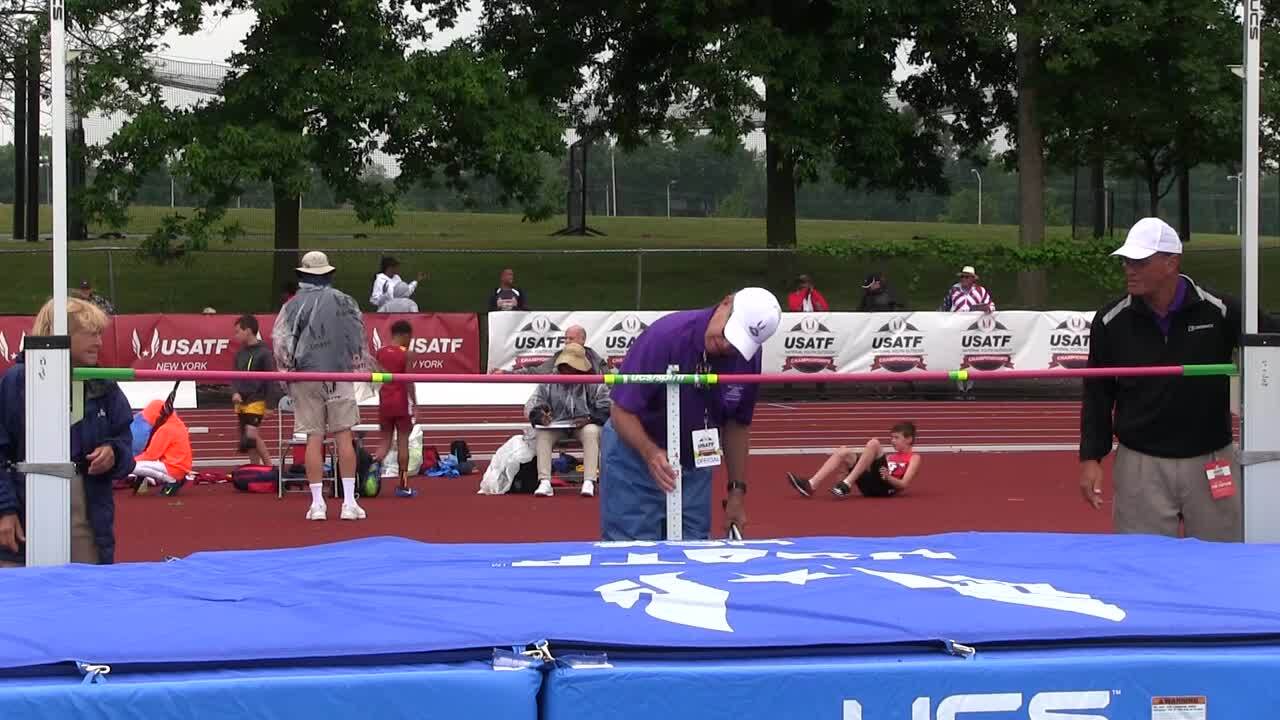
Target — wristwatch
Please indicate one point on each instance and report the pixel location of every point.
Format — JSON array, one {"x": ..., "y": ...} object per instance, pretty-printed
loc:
[{"x": 738, "y": 485}]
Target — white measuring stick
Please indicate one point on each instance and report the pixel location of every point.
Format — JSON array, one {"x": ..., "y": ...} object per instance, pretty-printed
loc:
[{"x": 675, "y": 498}]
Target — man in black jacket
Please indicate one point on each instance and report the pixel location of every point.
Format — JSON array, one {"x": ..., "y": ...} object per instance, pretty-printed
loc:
[{"x": 1172, "y": 431}]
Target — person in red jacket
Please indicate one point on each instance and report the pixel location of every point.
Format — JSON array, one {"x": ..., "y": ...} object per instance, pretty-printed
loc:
[{"x": 806, "y": 297}]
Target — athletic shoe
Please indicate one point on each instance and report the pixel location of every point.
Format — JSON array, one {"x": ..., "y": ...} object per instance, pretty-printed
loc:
[
  {"x": 840, "y": 489},
  {"x": 544, "y": 489},
  {"x": 317, "y": 511},
  {"x": 588, "y": 488},
  {"x": 802, "y": 486},
  {"x": 172, "y": 488},
  {"x": 353, "y": 512},
  {"x": 405, "y": 492}
]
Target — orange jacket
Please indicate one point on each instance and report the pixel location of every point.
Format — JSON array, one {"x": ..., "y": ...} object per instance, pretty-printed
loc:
[{"x": 170, "y": 443}]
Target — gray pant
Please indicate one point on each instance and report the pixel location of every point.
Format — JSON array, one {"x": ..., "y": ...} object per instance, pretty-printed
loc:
[{"x": 1153, "y": 494}]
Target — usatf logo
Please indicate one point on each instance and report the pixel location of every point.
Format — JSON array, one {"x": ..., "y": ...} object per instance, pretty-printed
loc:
[
  {"x": 1069, "y": 343},
  {"x": 538, "y": 341},
  {"x": 179, "y": 347},
  {"x": 619, "y": 338},
  {"x": 7, "y": 354},
  {"x": 809, "y": 347},
  {"x": 987, "y": 345},
  {"x": 898, "y": 346}
]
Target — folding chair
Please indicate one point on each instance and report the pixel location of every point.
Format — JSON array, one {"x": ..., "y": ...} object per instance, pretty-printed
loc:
[{"x": 329, "y": 451}]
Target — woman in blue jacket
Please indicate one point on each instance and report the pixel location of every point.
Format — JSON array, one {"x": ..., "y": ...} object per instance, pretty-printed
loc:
[{"x": 101, "y": 446}]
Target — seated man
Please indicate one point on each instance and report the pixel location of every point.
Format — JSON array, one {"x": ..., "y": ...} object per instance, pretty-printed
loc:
[
  {"x": 558, "y": 409},
  {"x": 166, "y": 458},
  {"x": 874, "y": 472}
]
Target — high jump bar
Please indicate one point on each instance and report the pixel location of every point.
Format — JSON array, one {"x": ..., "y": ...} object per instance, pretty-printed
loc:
[{"x": 130, "y": 374}]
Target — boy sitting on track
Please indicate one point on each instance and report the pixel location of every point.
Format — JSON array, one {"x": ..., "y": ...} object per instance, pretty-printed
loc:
[
  {"x": 395, "y": 413},
  {"x": 876, "y": 473}
]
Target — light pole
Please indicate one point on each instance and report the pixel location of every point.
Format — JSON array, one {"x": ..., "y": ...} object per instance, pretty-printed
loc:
[
  {"x": 669, "y": 184},
  {"x": 979, "y": 176}
]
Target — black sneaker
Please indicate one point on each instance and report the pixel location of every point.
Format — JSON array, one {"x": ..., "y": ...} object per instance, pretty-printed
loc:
[
  {"x": 840, "y": 489},
  {"x": 801, "y": 486}
]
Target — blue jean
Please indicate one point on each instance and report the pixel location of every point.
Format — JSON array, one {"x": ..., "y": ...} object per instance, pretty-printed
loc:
[{"x": 633, "y": 507}]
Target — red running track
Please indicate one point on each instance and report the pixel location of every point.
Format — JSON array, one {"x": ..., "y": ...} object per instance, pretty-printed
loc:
[
  {"x": 972, "y": 488},
  {"x": 778, "y": 428}
]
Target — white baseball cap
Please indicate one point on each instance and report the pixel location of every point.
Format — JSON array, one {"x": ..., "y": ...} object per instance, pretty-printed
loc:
[
  {"x": 755, "y": 317},
  {"x": 316, "y": 263},
  {"x": 1147, "y": 237}
]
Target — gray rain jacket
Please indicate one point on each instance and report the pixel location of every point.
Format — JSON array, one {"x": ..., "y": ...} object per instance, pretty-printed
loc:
[{"x": 320, "y": 329}]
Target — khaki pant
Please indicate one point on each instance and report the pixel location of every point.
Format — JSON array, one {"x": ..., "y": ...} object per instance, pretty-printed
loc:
[
  {"x": 1153, "y": 494},
  {"x": 84, "y": 549},
  {"x": 588, "y": 435}
]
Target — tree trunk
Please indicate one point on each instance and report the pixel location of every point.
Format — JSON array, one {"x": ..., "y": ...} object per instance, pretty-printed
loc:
[
  {"x": 1184, "y": 203},
  {"x": 780, "y": 211},
  {"x": 1098, "y": 191},
  {"x": 1153, "y": 195},
  {"x": 1033, "y": 284},
  {"x": 20, "y": 145},
  {"x": 287, "y": 225},
  {"x": 34, "y": 70}
]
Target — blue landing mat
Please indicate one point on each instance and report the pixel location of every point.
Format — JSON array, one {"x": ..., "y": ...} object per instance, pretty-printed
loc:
[
  {"x": 1120, "y": 684},
  {"x": 472, "y": 691},
  {"x": 403, "y": 599}
]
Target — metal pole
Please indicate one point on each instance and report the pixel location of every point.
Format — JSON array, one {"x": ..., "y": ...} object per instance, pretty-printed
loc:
[
  {"x": 20, "y": 144},
  {"x": 675, "y": 498},
  {"x": 50, "y": 393},
  {"x": 639, "y": 275},
  {"x": 1260, "y": 354},
  {"x": 613, "y": 180},
  {"x": 111, "y": 278},
  {"x": 979, "y": 176},
  {"x": 33, "y": 138}
]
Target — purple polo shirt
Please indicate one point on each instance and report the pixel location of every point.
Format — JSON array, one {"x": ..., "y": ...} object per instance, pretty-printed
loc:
[
  {"x": 680, "y": 339},
  {"x": 1166, "y": 321}
]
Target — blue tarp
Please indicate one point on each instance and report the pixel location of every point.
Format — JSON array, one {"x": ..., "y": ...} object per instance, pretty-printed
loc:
[{"x": 390, "y": 596}]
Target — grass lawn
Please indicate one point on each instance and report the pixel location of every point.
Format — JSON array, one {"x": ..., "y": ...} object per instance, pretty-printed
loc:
[{"x": 463, "y": 254}]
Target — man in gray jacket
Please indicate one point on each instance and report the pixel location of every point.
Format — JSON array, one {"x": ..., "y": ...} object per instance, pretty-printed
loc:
[
  {"x": 558, "y": 410},
  {"x": 321, "y": 329}
]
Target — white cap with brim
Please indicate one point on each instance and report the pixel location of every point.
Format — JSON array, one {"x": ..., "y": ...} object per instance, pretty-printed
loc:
[
  {"x": 754, "y": 319},
  {"x": 316, "y": 263},
  {"x": 1147, "y": 237}
]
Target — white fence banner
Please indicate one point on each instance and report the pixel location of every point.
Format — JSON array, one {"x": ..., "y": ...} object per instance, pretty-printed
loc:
[{"x": 812, "y": 343}]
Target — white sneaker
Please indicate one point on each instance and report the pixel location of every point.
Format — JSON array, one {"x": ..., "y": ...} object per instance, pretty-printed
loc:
[
  {"x": 317, "y": 511},
  {"x": 588, "y": 488},
  {"x": 544, "y": 489},
  {"x": 353, "y": 512}
]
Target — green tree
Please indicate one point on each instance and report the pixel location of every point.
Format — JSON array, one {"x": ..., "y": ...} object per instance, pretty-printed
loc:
[
  {"x": 817, "y": 75},
  {"x": 323, "y": 85}
]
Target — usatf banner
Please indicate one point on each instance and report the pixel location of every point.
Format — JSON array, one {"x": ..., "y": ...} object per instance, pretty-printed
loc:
[
  {"x": 442, "y": 342},
  {"x": 812, "y": 343}
]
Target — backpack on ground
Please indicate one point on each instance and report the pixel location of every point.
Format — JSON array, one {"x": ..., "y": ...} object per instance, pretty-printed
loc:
[{"x": 256, "y": 478}]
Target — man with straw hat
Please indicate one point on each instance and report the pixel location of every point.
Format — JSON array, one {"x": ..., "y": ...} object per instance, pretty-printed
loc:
[
  {"x": 558, "y": 410},
  {"x": 321, "y": 329}
]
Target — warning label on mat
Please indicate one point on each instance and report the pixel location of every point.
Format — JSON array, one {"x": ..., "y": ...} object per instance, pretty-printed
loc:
[{"x": 1190, "y": 707}]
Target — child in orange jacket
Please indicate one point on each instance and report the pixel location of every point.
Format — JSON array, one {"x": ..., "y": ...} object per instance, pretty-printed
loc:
[{"x": 166, "y": 460}]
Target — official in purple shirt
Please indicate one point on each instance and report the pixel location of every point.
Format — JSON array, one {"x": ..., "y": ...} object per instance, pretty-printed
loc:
[{"x": 723, "y": 339}]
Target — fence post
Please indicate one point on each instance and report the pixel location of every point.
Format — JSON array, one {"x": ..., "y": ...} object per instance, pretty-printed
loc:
[
  {"x": 639, "y": 275},
  {"x": 111, "y": 278}
]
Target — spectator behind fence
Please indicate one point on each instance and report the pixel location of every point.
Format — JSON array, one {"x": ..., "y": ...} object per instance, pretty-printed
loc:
[
  {"x": 85, "y": 292},
  {"x": 507, "y": 296},
  {"x": 574, "y": 334},
  {"x": 1176, "y": 462},
  {"x": 876, "y": 295},
  {"x": 967, "y": 295},
  {"x": 390, "y": 294},
  {"x": 558, "y": 410},
  {"x": 321, "y": 330},
  {"x": 806, "y": 297},
  {"x": 101, "y": 445}
]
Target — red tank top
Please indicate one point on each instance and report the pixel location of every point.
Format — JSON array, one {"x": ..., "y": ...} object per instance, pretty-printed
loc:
[{"x": 898, "y": 463}]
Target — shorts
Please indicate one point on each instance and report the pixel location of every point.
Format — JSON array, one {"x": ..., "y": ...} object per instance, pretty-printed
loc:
[
  {"x": 321, "y": 408},
  {"x": 245, "y": 421},
  {"x": 870, "y": 484},
  {"x": 402, "y": 424}
]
